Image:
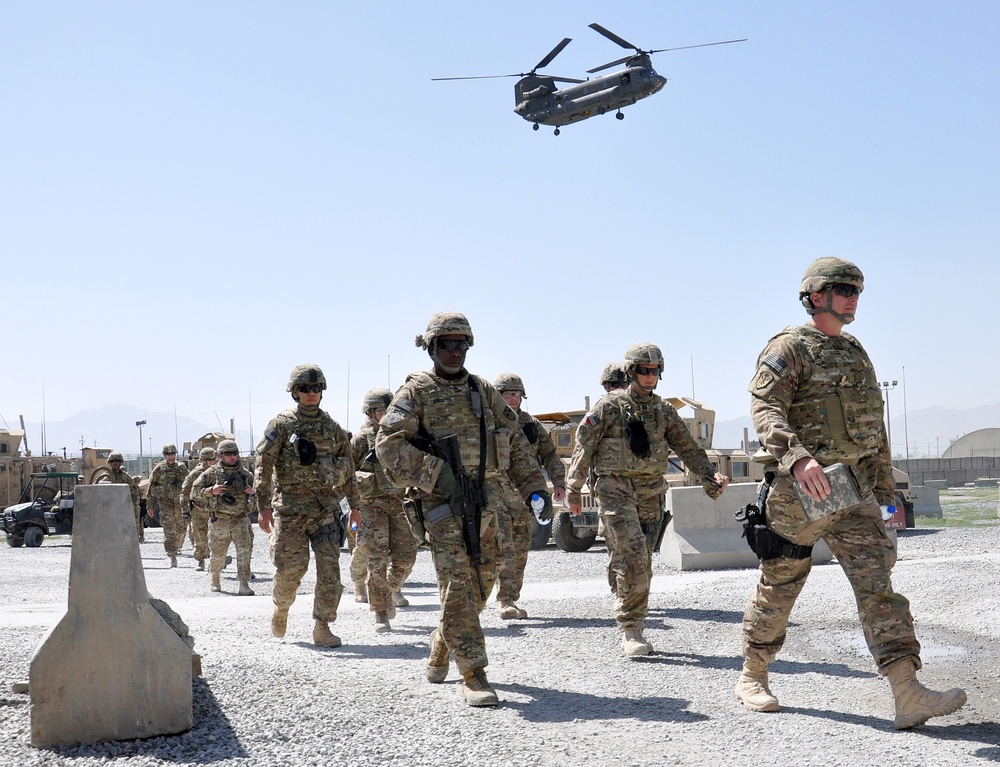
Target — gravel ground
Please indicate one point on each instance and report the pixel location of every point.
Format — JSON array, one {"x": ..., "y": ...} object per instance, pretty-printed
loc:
[{"x": 568, "y": 697}]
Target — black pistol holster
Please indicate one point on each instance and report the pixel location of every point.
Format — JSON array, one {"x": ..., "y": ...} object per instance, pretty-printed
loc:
[{"x": 761, "y": 539}]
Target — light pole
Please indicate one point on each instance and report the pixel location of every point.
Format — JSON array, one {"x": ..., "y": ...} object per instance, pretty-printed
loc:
[
  {"x": 140, "y": 424},
  {"x": 887, "y": 387}
]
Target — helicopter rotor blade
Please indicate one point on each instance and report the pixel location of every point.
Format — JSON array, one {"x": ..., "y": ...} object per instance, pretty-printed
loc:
[
  {"x": 613, "y": 37},
  {"x": 553, "y": 53},
  {"x": 703, "y": 45},
  {"x": 566, "y": 79},
  {"x": 478, "y": 77},
  {"x": 610, "y": 64}
]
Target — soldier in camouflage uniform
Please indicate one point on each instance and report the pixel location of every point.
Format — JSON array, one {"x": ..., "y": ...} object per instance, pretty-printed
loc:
[
  {"x": 226, "y": 490},
  {"x": 613, "y": 376},
  {"x": 815, "y": 401},
  {"x": 119, "y": 476},
  {"x": 514, "y": 515},
  {"x": 431, "y": 405},
  {"x": 307, "y": 455},
  {"x": 165, "y": 483},
  {"x": 626, "y": 440},
  {"x": 385, "y": 543},
  {"x": 194, "y": 508}
]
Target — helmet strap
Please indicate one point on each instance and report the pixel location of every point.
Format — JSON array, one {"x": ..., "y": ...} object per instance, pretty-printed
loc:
[{"x": 847, "y": 319}]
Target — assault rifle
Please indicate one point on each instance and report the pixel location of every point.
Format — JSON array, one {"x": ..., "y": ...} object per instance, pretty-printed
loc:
[{"x": 467, "y": 502}]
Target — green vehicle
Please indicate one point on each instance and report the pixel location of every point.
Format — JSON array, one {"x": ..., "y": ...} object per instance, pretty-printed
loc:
[{"x": 44, "y": 508}]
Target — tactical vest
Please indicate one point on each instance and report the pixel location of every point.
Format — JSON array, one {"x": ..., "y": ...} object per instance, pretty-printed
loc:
[
  {"x": 294, "y": 478},
  {"x": 236, "y": 479},
  {"x": 170, "y": 478},
  {"x": 836, "y": 412},
  {"x": 613, "y": 454},
  {"x": 447, "y": 409},
  {"x": 371, "y": 479}
]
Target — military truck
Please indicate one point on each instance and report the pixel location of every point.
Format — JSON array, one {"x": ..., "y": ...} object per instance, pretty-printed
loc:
[{"x": 44, "y": 508}]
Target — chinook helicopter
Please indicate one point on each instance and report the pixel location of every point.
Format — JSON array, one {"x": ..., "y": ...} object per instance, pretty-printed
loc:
[{"x": 538, "y": 100}]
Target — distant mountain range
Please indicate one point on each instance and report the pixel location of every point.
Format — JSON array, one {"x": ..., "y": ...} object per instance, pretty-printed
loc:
[{"x": 928, "y": 431}]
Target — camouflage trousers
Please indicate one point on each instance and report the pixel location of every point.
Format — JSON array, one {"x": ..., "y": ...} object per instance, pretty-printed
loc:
[
  {"x": 387, "y": 547},
  {"x": 198, "y": 530},
  {"x": 858, "y": 539},
  {"x": 626, "y": 504},
  {"x": 223, "y": 531},
  {"x": 514, "y": 525},
  {"x": 458, "y": 584},
  {"x": 296, "y": 527},
  {"x": 173, "y": 524},
  {"x": 359, "y": 562}
]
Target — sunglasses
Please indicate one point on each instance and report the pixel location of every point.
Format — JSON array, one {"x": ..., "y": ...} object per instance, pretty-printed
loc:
[
  {"x": 453, "y": 345},
  {"x": 311, "y": 388},
  {"x": 644, "y": 371},
  {"x": 845, "y": 290},
  {"x": 231, "y": 452}
]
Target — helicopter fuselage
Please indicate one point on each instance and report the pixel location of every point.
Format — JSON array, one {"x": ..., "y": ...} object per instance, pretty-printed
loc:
[{"x": 537, "y": 99}]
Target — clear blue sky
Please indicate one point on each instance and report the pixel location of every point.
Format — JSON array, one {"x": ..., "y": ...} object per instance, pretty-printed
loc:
[{"x": 198, "y": 196}]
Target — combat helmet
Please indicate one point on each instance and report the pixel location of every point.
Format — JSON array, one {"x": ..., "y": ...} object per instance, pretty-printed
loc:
[
  {"x": 305, "y": 374},
  {"x": 228, "y": 446},
  {"x": 826, "y": 271},
  {"x": 169, "y": 448},
  {"x": 376, "y": 399},
  {"x": 646, "y": 354},
  {"x": 445, "y": 324},
  {"x": 510, "y": 382},
  {"x": 614, "y": 375},
  {"x": 115, "y": 456},
  {"x": 207, "y": 454}
]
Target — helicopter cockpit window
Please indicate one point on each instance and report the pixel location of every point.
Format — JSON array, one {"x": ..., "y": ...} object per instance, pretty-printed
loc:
[
  {"x": 626, "y": 78},
  {"x": 644, "y": 73}
]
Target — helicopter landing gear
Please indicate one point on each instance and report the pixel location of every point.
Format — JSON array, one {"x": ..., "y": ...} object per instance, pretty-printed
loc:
[
  {"x": 534, "y": 127},
  {"x": 555, "y": 132},
  {"x": 620, "y": 116}
]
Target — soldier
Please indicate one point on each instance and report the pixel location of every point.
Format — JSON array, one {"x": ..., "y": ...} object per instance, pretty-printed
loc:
[
  {"x": 359, "y": 560},
  {"x": 815, "y": 401},
  {"x": 226, "y": 490},
  {"x": 428, "y": 407},
  {"x": 194, "y": 508},
  {"x": 309, "y": 458},
  {"x": 514, "y": 515},
  {"x": 613, "y": 377},
  {"x": 165, "y": 483},
  {"x": 119, "y": 476},
  {"x": 626, "y": 440},
  {"x": 385, "y": 543}
]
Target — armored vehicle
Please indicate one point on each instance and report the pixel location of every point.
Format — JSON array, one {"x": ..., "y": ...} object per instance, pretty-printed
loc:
[{"x": 44, "y": 508}]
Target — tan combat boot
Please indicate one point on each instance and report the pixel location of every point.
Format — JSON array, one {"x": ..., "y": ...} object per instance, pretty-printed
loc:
[
  {"x": 437, "y": 663},
  {"x": 173, "y": 560},
  {"x": 322, "y": 635},
  {"x": 216, "y": 585},
  {"x": 753, "y": 689},
  {"x": 915, "y": 704},
  {"x": 477, "y": 689},
  {"x": 201, "y": 565},
  {"x": 279, "y": 621},
  {"x": 398, "y": 600},
  {"x": 633, "y": 645},
  {"x": 382, "y": 622},
  {"x": 245, "y": 590},
  {"x": 510, "y": 611},
  {"x": 360, "y": 593}
]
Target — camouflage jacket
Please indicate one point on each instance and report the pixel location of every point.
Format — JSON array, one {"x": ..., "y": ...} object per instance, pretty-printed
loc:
[
  {"x": 122, "y": 477},
  {"x": 544, "y": 449},
  {"x": 432, "y": 407},
  {"x": 186, "y": 497},
  {"x": 603, "y": 442},
  {"x": 280, "y": 471},
  {"x": 815, "y": 395},
  {"x": 371, "y": 480},
  {"x": 236, "y": 479},
  {"x": 166, "y": 479}
]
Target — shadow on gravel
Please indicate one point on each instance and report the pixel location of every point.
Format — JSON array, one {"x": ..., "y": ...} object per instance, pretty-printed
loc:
[
  {"x": 548, "y": 705},
  {"x": 511, "y": 628},
  {"x": 983, "y": 732},
  {"x": 210, "y": 726},
  {"x": 690, "y": 614},
  {"x": 362, "y": 651},
  {"x": 918, "y": 532}
]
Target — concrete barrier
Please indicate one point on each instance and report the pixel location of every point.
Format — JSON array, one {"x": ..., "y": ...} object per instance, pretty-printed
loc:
[
  {"x": 111, "y": 669},
  {"x": 927, "y": 499},
  {"x": 703, "y": 535}
]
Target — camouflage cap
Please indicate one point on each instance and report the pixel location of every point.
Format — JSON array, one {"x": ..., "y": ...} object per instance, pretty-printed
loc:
[
  {"x": 207, "y": 453},
  {"x": 115, "y": 456},
  {"x": 614, "y": 374},
  {"x": 228, "y": 446},
  {"x": 305, "y": 374},
  {"x": 643, "y": 353},
  {"x": 509, "y": 382},
  {"x": 169, "y": 448},
  {"x": 444, "y": 324},
  {"x": 828, "y": 270},
  {"x": 376, "y": 398}
]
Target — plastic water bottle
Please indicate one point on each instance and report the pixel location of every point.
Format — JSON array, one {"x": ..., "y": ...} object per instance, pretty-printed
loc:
[
  {"x": 537, "y": 505},
  {"x": 345, "y": 507},
  {"x": 887, "y": 512}
]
